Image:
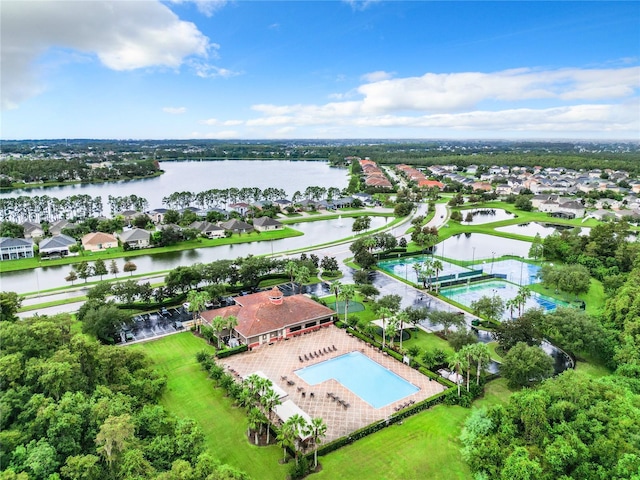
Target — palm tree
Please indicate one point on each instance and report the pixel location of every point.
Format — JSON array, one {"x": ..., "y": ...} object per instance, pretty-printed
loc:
[
  {"x": 269, "y": 400},
  {"x": 298, "y": 425},
  {"x": 286, "y": 437},
  {"x": 524, "y": 294},
  {"x": 231, "y": 323},
  {"x": 317, "y": 430},
  {"x": 197, "y": 301},
  {"x": 218, "y": 324},
  {"x": 511, "y": 304},
  {"x": 438, "y": 267},
  {"x": 392, "y": 330},
  {"x": 402, "y": 317},
  {"x": 347, "y": 293},
  {"x": 384, "y": 313},
  {"x": 256, "y": 419},
  {"x": 455, "y": 362},
  {"x": 291, "y": 268},
  {"x": 482, "y": 356},
  {"x": 468, "y": 353},
  {"x": 335, "y": 287}
]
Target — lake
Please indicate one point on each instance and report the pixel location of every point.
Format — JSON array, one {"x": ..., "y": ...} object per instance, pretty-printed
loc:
[
  {"x": 198, "y": 176},
  {"x": 315, "y": 233},
  {"x": 474, "y": 246}
]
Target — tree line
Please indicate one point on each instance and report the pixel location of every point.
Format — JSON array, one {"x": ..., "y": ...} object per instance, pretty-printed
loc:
[
  {"x": 17, "y": 172},
  {"x": 75, "y": 409}
]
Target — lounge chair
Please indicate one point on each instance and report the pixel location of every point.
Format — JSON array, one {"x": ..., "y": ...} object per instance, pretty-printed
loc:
[
  {"x": 304, "y": 394},
  {"x": 305, "y": 357},
  {"x": 312, "y": 395},
  {"x": 299, "y": 358},
  {"x": 334, "y": 348}
]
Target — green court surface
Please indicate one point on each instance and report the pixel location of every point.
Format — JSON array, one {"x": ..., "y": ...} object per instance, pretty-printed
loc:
[{"x": 353, "y": 307}]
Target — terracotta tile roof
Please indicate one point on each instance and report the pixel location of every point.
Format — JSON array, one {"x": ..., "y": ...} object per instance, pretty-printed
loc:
[
  {"x": 258, "y": 314},
  {"x": 98, "y": 237}
]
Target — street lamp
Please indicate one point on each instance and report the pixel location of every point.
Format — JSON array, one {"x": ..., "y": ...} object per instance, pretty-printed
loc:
[
  {"x": 493, "y": 256},
  {"x": 473, "y": 256}
]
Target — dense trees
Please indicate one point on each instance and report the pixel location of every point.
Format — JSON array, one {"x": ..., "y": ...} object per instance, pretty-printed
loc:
[
  {"x": 569, "y": 427},
  {"x": 74, "y": 409}
]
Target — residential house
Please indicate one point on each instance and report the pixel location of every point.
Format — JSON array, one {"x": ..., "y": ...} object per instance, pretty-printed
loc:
[
  {"x": 98, "y": 241},
  {"x": 241, "y": 207},
  {"x": 157, "y": 215},
  {"x": 267, "y": 317},
  {"x": 57, "y": 227},
  {"x": 265, "y": 224},
  {"x": 33, "y": 230},
  {"x": 483, "y": 186},
  {"x": 135, "y": 238},
  {"x": 15, "y": 248},
  {"x": 237, "y": 226},
  {"x": 208, "y": 229},
  {"x": 56, "y": 246}
]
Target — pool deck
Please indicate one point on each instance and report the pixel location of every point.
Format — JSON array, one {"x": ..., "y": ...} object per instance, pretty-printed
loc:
[{"x": 281, "y": 360}]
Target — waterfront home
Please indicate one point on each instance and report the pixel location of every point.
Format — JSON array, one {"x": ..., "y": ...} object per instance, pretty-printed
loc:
[
  {"x": 208, "y": 229},
  {"x": 56, "y": 246},
  {"x": 264, "y": 224},
  {"x": 98, "y": 241},
  {"x": 15, "y": 248},
  {"x": 157, "y": 215},
  {"x": 267, "y": 317},
  {"x": 135, "y": 238},
  {"x": 237, "y": 226},
  {"x": 241, "y": 207}
]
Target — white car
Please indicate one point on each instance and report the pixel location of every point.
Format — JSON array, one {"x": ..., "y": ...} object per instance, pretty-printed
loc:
[{"x": 186, "y": 306}]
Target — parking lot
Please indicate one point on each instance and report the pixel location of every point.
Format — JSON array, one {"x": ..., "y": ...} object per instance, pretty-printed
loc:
[{"x": 149, "y": 325}]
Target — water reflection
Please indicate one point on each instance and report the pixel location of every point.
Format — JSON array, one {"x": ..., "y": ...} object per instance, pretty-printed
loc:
[{"x": 314, "y": 233}]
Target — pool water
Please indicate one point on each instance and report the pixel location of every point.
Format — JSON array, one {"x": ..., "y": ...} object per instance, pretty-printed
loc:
[
  {"x": 366, "y": 378},
  {"x": 469, "y": 293}
]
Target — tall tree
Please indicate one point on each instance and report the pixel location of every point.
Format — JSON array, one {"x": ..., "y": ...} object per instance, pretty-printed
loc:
[{"x": 316, "y": 430}]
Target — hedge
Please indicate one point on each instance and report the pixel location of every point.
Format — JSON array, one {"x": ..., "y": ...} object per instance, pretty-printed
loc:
[
  {"x": 231, "y": 351},
  {"x": 379, "y": 425}
]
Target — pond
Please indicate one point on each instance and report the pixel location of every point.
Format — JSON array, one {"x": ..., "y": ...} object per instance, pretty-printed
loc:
[
  {"x": 475, "y": 246},
  {"x": 198, "y": 176},
  {"x": 321, "y": 231},
  {"x": 535, "y": 228},
  {"x": 486, "y": 215}
]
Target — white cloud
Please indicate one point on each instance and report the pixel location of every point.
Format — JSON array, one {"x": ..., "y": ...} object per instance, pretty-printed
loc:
[
  {"x": 521, "y": 100},
  {"x": 206, "y": 70},
  {"x": 123, "y": 35},
  {"x": 226, "y": 123},
  {"x": 376, "y": 76},
  {"x": 461, "y": 91},
  {"x": 206, "y": 7}
]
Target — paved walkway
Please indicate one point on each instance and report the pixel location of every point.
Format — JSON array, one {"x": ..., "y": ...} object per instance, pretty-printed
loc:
[{"x": 280, "y": 361}]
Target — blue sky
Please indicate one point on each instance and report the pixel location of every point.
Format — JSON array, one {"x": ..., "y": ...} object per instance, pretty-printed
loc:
[{"x": 240, "y": 69}]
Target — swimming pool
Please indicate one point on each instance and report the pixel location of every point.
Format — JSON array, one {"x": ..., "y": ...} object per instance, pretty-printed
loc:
[
  {"x": 367, "y": 379},
  {"x": 469, "y": 293}
]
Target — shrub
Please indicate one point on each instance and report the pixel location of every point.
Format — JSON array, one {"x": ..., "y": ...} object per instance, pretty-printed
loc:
[{"x": 231, "y": 351}]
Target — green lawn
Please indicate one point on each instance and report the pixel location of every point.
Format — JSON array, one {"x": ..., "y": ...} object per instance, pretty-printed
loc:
[
  {"x": 423, "y": 446},
  {"x": 190, "y": 393},
  {"x": 426, "y": 341}
]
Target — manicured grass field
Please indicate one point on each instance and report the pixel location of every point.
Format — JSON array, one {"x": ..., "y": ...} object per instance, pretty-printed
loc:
[
  {"x": 426, "y": 341},
  {"x": 190, "y": 393}
]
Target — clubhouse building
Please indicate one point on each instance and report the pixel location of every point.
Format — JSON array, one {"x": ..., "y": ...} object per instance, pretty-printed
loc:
[{"x": 268, "y": 317}]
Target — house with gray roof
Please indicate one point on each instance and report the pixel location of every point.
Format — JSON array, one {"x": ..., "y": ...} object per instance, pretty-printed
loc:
[
  {"x": 57, "y": 227},
  {"x": 58, "y": 245},
  {"x": 33, "y": 230},
  {"x": 264, "y": 224},
  {"x": 237, "y": 226},
  {"x": 208, "y": 229},
  {"x": 15, "y": 248},
  {"x": 135, "y": 238}
]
